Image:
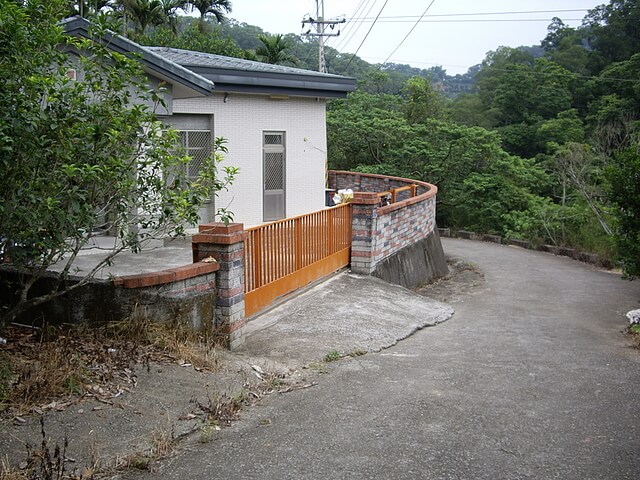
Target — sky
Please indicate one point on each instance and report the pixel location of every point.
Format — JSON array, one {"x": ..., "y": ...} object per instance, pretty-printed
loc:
[{"x": 455, "y": 34}]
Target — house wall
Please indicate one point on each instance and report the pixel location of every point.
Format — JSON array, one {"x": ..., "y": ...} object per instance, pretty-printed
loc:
[
  {"x": 241, "y": 119},
  {"x": 154, "y": 83}
]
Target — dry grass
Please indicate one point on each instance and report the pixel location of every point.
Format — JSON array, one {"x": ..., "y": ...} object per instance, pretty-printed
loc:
[
  {"x": 163, "y": 445},
  {"x": 221, "y": 409},
  {"x": 38, "y": 366},
  {"x": 7, "y": 472},
  {"x": 48, "y": 462}
]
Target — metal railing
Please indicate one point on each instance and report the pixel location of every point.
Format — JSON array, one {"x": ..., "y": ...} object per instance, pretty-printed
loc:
[{"x": 286, "y": 254}]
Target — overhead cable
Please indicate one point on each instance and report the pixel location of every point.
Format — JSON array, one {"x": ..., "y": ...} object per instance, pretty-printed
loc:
[
  {"x": 477, "y": 14},
  {"x": 367, "y": 35},
  {"x": 410, "y": 31},
  {"x": 346, "y": 39}
]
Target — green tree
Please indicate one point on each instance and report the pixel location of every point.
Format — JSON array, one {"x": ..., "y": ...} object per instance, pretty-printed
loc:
[
  {"x": 479, "y": 183},
  {"x": 528, "y": 92},
  {"x": 170, "y": 12},
  {"x": 493, "y": 67},
  {"x": 274, "y": 50},
  {"x": 88, "y": 8},
  {"x": 374, "y": 81},
  {"x": 468, "y": 109},
  {"x": 624, "y": 184},
  {"x": 215, "y": 8},
  {"x": 422, "y": 101},
  {"x": 143, "y": 13},
  {"x": 363, "y": 129},
  {"x": 191, "y": 38},
  {"x": 612, "y": 32},
  {"x": 81, "y": 154},
  {"x": 616, "y": 92}
]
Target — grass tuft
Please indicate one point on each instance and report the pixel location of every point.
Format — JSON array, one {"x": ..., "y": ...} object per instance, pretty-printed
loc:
[{"x": 332, "y": 356}]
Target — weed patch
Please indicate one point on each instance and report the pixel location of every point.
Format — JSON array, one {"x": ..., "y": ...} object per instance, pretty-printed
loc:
[
  {"x": 332, "y": 356},
  {"x": 48, "y": 462},
  {"x": 40, "y": 365},
  {"x": 634, "y": 333}
]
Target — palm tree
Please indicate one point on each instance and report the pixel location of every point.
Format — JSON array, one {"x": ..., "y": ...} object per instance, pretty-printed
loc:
[
  {"x": 144, "y": 13},
  {"x": 170, "y": 11},
  {"x": 273, "y": 50},
  {"x": 86, "y": 8},
  {"x": 217, "y": 8}
]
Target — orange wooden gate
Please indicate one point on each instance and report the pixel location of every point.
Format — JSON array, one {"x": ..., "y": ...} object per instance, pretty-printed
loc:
[{"x": 288, "y": 254}]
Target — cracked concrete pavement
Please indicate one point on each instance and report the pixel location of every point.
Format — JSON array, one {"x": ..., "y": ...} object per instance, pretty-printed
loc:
[{"x": 531, "y": 378}]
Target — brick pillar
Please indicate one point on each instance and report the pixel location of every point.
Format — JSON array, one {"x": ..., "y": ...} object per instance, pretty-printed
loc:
[
  {"x": 225, "y": 243},
  {"x": 364, "y": 222}
]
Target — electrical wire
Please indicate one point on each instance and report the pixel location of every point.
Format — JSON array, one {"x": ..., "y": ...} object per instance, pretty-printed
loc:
[
  {"x": 477, "y": 14},
  {"x": 410, "y": 31},
  {"x": 367, "y": 35},
  {"x": 479, "y": 20},
  {"x": 361, "y": 6},
  {"x": 343, "y": 43}
]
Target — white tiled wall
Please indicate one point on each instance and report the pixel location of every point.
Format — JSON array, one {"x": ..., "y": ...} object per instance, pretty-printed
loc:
[{"x": 241, "y": 120}]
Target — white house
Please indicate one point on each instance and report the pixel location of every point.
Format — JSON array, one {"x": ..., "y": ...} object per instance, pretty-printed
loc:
[
  {"x": 178, "y": 82},
  {"x": 273, "y": 118}
]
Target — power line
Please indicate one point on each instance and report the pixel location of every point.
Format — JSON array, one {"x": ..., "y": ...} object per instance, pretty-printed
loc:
[
  {"x": 353, "y": 32},
  {"x": 479, "y": 20},
  {"x": 361, "y": 6},
  {"x": 412, "y": 29},
  {"x": 367, "y": 35},
  {"x": 524, "y": 12}
]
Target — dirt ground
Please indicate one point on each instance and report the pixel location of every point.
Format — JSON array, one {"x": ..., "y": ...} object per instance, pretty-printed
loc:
[
  {"x": 464, "y": 279},
  {"x": 152, "y": 408}
]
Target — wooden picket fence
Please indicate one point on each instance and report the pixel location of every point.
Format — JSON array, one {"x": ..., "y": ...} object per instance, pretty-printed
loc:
[{"x": 283, "y": 256}]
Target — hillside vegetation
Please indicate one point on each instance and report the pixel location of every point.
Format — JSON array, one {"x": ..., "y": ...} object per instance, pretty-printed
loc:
[{"x": 537, "y": 142}]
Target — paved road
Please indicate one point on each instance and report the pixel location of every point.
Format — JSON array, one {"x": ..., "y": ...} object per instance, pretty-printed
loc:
[{"x": 531, "y": 378}]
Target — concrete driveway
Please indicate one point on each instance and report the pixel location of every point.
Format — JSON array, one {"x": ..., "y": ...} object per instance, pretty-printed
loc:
[{"x": 531, "y": 378}]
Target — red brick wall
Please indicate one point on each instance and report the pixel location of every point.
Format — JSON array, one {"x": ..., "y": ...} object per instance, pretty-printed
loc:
[{"x": 379, "y": 232}]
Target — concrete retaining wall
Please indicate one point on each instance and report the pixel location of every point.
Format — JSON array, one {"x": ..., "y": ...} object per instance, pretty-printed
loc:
[{"x": 416, "y": 264}]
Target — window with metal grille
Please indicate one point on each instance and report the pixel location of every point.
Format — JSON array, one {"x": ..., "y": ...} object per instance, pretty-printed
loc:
[
  {"x": 196, "y": 144},
  {"x": 274, "y": 152},
  {"x": 274, "y": 173},
  {"x": 272, "y": 138}
]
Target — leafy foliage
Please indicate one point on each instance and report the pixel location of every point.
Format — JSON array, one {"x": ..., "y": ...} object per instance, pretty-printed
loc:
[
  {"x": 624, "y": 178},
  {"x": 478, "y": 182},
  {"x": 82, "y": 155},
  {"x": 274, "y": 50}
]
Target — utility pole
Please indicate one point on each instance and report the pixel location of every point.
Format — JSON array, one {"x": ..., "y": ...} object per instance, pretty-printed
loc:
[{"x": 319, "y": 24}]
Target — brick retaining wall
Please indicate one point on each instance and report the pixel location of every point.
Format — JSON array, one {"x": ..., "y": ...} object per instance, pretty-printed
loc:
[
  {"x": 380, "y": 232},
  {"x": 186, "y": 294}
]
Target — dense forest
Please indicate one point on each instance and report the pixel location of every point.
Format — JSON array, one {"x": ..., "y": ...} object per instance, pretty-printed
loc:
[{"x": 539, "y": 142}]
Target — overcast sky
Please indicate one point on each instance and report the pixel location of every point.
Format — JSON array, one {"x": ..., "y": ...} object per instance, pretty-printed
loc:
[{"x": 449, "y": 34}]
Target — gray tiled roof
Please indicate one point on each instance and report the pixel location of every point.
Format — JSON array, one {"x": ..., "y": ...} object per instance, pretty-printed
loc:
[
  {"x": 246, "y": 76},
  {"x": 159, "y": 64},
  {"x": 200, "y": 59}
]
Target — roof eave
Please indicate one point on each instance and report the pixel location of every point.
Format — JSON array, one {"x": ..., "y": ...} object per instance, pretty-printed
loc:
[
  {"x": 151, "y": 62},
  {"x": 270, "y": 83}
]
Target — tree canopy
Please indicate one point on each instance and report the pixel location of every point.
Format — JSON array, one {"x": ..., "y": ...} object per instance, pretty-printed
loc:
[{"x": 80, "y": 155}]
